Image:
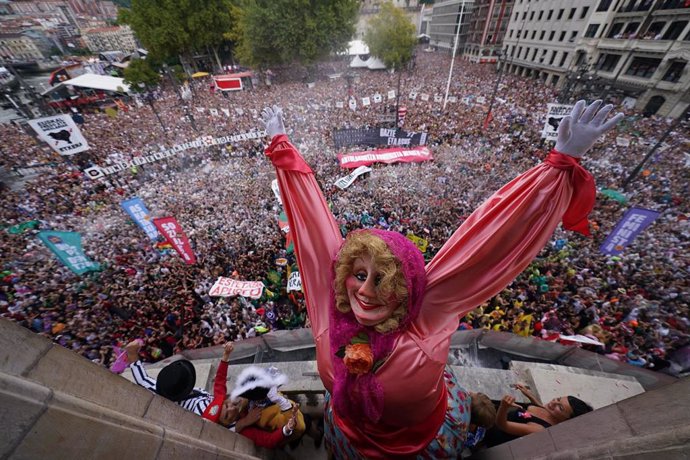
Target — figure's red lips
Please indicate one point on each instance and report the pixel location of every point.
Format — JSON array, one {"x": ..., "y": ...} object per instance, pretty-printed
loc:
[{"x": 366, "y": 306}]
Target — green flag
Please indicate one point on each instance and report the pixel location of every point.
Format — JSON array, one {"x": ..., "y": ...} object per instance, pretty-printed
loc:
[
  {"x": 67, "y": 247},
  {"x": 21, "y": 228}
]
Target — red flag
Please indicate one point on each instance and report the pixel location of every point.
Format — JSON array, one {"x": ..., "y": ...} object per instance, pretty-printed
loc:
[
  {"x": 489, "y": 118},
  {"x": 171, "y": 230},
  {"x": 402, "y": 111}
]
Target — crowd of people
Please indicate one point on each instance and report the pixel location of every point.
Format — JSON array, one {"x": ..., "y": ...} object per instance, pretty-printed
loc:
[{"x": 635, "y": 304}]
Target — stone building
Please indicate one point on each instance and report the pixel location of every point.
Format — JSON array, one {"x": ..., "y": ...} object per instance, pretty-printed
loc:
[{"x": 110, "y": 39}]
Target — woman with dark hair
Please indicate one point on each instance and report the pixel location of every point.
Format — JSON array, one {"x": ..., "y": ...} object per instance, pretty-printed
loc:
[
  {"x": 517, "y": 420},
  {"x": 382, "y": 320}
]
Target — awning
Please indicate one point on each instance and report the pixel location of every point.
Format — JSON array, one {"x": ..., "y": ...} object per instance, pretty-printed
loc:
[
  {"x": 200, "y": 74},
  {"x": 93, "y": 81}
]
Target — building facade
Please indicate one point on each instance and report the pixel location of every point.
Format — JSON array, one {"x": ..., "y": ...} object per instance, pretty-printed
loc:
[
  {"x": 487, "y": 28},
  {"x": 448, "y": 19},
  {"x": 640, "y": 54},
  {"x": 110, "y": 39},
  {"x": 17, "y": 47}
]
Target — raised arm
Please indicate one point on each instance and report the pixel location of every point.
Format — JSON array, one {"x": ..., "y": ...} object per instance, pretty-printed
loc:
[
  {"x": 315, "y": 232},
  {"x": 508, "y": 230}
]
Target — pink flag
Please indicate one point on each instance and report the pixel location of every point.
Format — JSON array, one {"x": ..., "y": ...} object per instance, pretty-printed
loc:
[
  {"x": 355, "y": 159},
  {"x": 171, "y": 230}
]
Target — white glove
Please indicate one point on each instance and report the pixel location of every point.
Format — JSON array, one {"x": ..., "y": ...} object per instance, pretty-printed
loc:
[
  {"x": 578, "y": 132},
  {"x": 273, "y": 120},
  {"x": 275, "y": 397}
]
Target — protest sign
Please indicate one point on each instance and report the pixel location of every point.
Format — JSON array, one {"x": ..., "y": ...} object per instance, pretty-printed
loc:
[
  {"x": 632, "y": 224},
  {"x": 61, "y": 133},
  {"x": 345, "y": 181},
  {"x": 228, "y": 287},
  {"x": 355, "y": 159},
  {"x": 173, "y": 233},
  {"x": 294, "y": 282},
  {"x": 554, "y": 115},
  {"x": 141, "y": 216},
  {"x": 67, "y": 247}
]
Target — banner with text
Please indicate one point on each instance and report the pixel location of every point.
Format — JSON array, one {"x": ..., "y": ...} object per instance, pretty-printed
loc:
[
  {"x": 172, "y": 231},
  {"x": 345, "y": 181},
  {"x": 355, "y": 159},
  {"x": 67, "y": 247},
  {"x": 228, "y": 287},
  {"x": 139, "y": 214},
  {"x": 376, "y": 137},
  {"x": 60, "y": 132},
  {"x": 96, "y": 172},
  {"x": 294, "y": 282},
  {"x": 554, "y": 115},
  {"x": 632, "y": 224}
]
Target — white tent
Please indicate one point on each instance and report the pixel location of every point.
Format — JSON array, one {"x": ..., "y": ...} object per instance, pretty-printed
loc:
[
  {"x": 93, "y": 81},
  {"x": 357, "y": 47},
  {"x": 358, "y": 63},
  {"x": 374, "y": 63}
]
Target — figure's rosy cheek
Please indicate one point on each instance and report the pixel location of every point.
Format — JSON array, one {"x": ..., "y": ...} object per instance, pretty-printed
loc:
[{"x": 351, "y": 283}]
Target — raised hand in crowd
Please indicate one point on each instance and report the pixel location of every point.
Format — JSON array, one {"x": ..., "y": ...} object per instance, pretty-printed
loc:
[{"x": 578, "y": 131}]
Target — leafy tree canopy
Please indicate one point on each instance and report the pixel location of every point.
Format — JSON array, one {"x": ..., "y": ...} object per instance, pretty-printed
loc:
[
  {"x": 173, "y": 27},
  {"x": 269, "y": 32},
  {"x": 140, "y": 71},
  {"x": 391, "y": 36}
]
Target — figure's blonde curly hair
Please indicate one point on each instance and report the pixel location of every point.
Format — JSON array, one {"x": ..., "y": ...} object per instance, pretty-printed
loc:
[{"x": 392, "y": 284}]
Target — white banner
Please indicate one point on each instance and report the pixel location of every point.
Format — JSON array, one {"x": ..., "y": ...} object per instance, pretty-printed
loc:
[
  {"x": 622, "y": 141},
  {"x": 276, "y": 190},
  {"x": 339, "y": 104},
  {"x": 481, "y": 100},
  {"x": 413, "y": 95},
  {"x": 60, "y": 132},
  {"x": 452, "y": 99},
  {"x": 554, "y": 115},
  {"x": 239, "y": 111},
  {"x": 391, "y": 94},
  {"x": 366, "y": 102},
  {"x": 377, "y": 98},
  {"x": 214, "y": 112},
  {"x": 352, "y": 103},
  {"x": 228, "y": 287},
  {"x": 294, "y": 282},
  {"x": 96, "y": 172},
  {"x": 200, "y": 109},
  {"x": 226, "y": 112},
  {"x": 424, "y": 97},
  {"x": 438, "y": 98},
  {"x": 346, "y": 181}
]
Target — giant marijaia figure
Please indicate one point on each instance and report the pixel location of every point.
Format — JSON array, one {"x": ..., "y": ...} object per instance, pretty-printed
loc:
[{"x": 382, "y": 320}]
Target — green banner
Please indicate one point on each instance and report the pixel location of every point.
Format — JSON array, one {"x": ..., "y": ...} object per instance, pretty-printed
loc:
[
  {"x": 67, "y": 247},
  {"x": 21, "y": 228}
]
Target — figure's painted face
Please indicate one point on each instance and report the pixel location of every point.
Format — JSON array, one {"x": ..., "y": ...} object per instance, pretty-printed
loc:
[
  {"x": 560, "y": 408},
  {"x": 361, "y": 286},
  {"x": 229, "y": 412}
]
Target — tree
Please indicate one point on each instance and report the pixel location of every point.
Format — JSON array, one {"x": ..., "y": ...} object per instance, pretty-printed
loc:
[
  {"x": 391, "y": 36},
  {"x": 140, "y": 75},
  {"x": 270, "y": 32},
  {"x": 169, "y": 28}
]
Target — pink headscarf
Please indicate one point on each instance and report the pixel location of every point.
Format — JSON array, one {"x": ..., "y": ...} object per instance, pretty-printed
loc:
[{"x": 355, "y": 396}]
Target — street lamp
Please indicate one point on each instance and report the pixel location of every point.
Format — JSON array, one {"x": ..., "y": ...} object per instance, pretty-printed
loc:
[
  {"x": 578, "y": 81},
  {"x": 502, "y": 57},
  {"x": 189, "y": 116}
]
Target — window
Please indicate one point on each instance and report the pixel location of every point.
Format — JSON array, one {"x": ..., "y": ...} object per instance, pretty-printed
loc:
[
  {"x": 534, "y": 32},
  {"x": 563, "y": 58},
  {"x": 674, "y": 71},
  {"x": 524, "y": 15},
  {"x": 553, "y": 57},
  {"x": 562, "y": 36},
  {"x": 517, "y": 15},
  {"x": 572, "y": 13},
  {"x": 534, "y": 53},
  {"x": 583, "y": 13},
  {"x": 604, "y": 5},
  {"x": 548, "y": 17},
  {"x": 541, "y": 35},
  {"x": 615, "y": 30},
  {"x": 592, "y": 30},
  {"x": 541, "y": 15},
  {"x": 519, "y": 52},
  {"x": 573, "y": 34},
  {"x": 531, "y": 16},
  {"x": 560, "y": 14},
  {"x": 643, "y": 67},
  {"x": 674, "y": 30},
  {"x": 655, "y": 29},
  {"x": 608, "y": 62},
  {"x": 553, "y": 32},
  {"x": 631, "y": 29},
  {"x": 526, "y": 53},
  {"x": 510, "y": 35}
]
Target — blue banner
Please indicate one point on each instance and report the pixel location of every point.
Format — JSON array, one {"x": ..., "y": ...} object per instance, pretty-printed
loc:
[
  {"x": 67, "y": 247},
  {"x": 632, "y": 224},
  {"x": 139, "y": 214}
]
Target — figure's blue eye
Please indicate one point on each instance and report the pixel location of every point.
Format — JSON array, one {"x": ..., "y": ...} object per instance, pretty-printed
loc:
[
  {"x": 378, "y": 279},
  {"x": 361, "y": 276}
]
